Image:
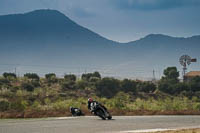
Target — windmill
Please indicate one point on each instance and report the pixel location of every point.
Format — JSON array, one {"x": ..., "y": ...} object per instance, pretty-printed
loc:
[{"x": 185, "y": 60}]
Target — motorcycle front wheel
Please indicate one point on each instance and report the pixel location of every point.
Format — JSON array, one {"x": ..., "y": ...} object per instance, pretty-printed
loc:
[{"x": 101, "y": 114}]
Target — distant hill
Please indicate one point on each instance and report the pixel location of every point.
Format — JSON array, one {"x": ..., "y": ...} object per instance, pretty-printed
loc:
[{"x": 48, "y": 37}]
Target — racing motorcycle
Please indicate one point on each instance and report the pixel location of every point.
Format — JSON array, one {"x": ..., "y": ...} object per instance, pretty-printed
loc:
[
  {"x": 101, "y": 111},
  {"x": 76, "y": 112}
]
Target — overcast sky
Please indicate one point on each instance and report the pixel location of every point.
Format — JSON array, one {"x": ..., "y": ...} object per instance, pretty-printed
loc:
[{"x": 121, "y": 20}]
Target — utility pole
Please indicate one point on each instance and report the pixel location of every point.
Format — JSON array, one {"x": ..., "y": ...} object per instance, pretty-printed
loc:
[
  {"x": 15, "y": 71},
  {"x": 79, "y": 73},
  {"x": 154, "y": 77}
]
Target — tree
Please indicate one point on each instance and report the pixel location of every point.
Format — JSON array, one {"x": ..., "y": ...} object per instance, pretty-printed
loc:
[
  {"x": 32, "y": 76},
  {"x": 9, "y": 75},
  {"x": 94, "y": 79},
  {"x": 51, "y": 78},
  {"x": 169, "y": 82},
  {"x": 97, "y": 75},
  {"x": 171, "y": 73},
  {"x": 108, "y": 87},
  {"x": 90, "y": 75}
]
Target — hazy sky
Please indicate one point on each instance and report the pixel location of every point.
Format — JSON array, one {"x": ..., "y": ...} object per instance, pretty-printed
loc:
[{"x": 121, "y": 20}]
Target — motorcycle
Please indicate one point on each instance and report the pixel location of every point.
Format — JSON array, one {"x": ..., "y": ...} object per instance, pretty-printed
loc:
[
  {"x": 76, "y": 112},
  {"x": 101, "y": 111}
]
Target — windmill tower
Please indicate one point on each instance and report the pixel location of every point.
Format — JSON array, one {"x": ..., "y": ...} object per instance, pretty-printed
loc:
[{"x": 185, "y": 60}]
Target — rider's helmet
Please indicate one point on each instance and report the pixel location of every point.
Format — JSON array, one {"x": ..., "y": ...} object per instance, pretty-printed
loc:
[{"x": 90, "y": 99}]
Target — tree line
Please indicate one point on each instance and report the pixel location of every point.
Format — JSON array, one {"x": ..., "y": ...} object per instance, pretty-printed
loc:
[{"x": 106, "y": 86}]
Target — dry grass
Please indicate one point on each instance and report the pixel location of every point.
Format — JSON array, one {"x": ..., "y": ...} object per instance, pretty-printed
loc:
[{"x": 182, "y": 131}]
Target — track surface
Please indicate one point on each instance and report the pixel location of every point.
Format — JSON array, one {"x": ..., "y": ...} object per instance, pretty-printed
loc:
[{"x": 96, "y": 125}]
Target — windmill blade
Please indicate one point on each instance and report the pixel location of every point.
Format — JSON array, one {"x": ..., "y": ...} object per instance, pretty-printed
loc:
[
  {"x": 194, "y": 60},
  {"x": 185, "y": 59}
]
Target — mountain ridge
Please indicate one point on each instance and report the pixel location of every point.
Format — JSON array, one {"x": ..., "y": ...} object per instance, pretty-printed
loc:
[
  {"x": 58, "y": 13},
  {"x": 61, "y": 25},
  {"x": 50, "y": 37}
]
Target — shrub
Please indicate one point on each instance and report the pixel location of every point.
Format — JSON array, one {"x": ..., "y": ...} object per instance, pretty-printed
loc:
[
  {"x": 120, "y": 101},
  {"x": 36, "y": 105},
  {"x": 82, "y": 84},
  {"x": 61, "y": 105},
  {"x": 47, "y": 101},
  {"x": 197, "y": 106},
  {"x": 40, "y": 92},
  {"x": 128, "y": 85},
  {"x": 4, "y": 105},
  {"x": 4, "y": 82},
  {"x": 165, "y": 87},
  {"x": 19, "y": 105},
  {"x": 6, "y": 93},
  {"x": 108, "y": 87},
  {"x": 22, "y": 93},
  {"x": 14, "y": 88},
  {"x": 70, "y": 77},
  {"x": 27, "y": 86},
  {"x": 146, "y": 87},
  {"x": 68, "y": 85},
  {"x": 180, "y": 87},
  {"x": 195, "y": 84},
  {"x": 35, "y": 83}
]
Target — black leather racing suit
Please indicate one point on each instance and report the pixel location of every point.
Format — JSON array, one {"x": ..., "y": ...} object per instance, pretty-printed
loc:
[{"x": 90, "y": 104}]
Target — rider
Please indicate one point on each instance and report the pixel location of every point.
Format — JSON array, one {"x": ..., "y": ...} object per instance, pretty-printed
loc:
[{"x": 91, "y": 103}]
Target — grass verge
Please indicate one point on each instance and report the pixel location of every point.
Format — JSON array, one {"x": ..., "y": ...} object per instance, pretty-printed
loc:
[{"x": 62, "y": 113}]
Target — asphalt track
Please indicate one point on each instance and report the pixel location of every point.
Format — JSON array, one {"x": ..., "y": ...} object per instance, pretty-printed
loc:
[{"x": 119, "y": 124}]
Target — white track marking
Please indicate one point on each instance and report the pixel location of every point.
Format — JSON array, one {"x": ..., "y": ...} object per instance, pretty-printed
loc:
[
  {"x": 65, "y": 118},
  {"x": 147, "y": 130},
  {"x": 157, "y": 130}
]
